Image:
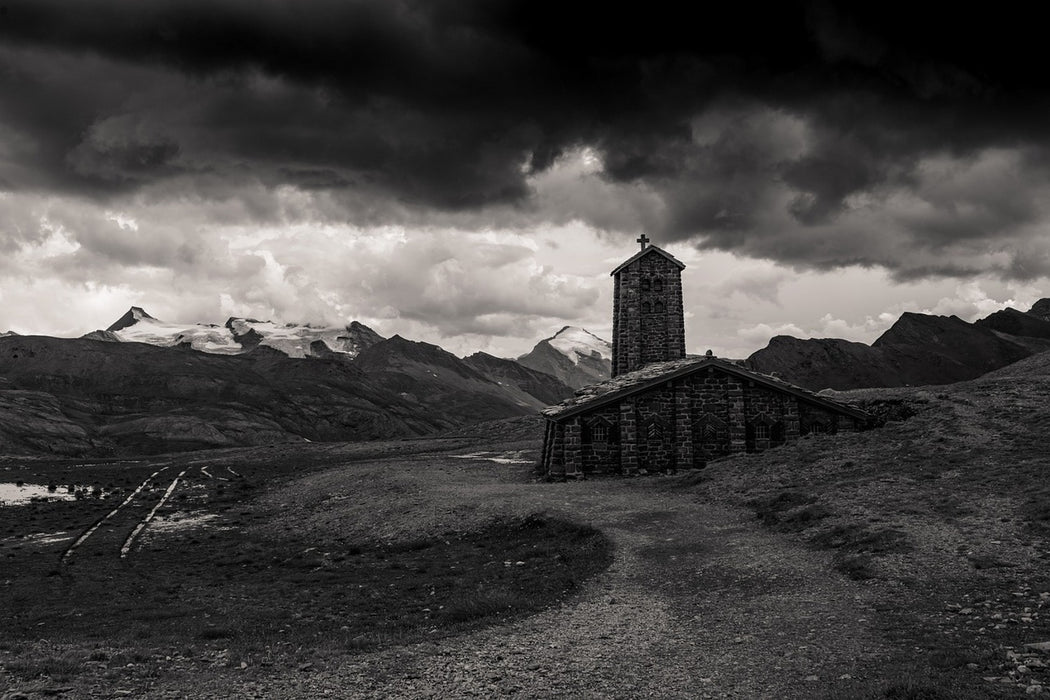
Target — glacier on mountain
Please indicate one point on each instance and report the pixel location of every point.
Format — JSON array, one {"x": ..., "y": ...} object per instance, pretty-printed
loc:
[{"x": 242, "y": 334}]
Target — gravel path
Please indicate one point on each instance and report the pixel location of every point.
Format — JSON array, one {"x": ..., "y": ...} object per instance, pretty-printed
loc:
[{"x": 700, "y": 602}]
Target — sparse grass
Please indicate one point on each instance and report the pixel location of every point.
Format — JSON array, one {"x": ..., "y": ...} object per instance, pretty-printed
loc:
[
  {"x": 307, "y": 588},
  {"x": 59, "y": 667}
]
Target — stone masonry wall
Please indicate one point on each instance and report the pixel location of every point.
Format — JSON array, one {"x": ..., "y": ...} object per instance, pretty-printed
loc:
[
  {"x": 602, "y": 455},
  {"x": 662, "y": 428},
  {"x": 656, "y": 424},
  {"x": 648, "y": 317},
  {"x": 779, "y": 409}
]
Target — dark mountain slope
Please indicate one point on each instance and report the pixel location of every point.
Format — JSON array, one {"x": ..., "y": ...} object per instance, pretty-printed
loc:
[
  {"x": 545, "y": 388},
  {"x": 439, "y": 383},
  {"x": 1041, "y": 309},
  {"x": 133, "y": 397},
  {"x": 1014, "y": 322},
  {"x": 819, "y": 363},
  {"x": 917, "y": 349},
  {"x": 944, "y": 349}
]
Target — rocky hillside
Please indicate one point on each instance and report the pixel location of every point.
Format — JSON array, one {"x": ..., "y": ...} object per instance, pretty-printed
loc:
[
  {"x": 77, "y": 396},
  {"x": 1017, "y": 323},
  {"x": 1041, "y": 309},
  {"x": 508, "y": 373},
  {"x": 918, "y": 349},
  {"x": 575, "y": 356},
  {"x": 438, "y": 382}
]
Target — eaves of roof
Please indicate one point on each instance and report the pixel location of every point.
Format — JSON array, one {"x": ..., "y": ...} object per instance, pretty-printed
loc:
[{"x": 573, "y": 407}]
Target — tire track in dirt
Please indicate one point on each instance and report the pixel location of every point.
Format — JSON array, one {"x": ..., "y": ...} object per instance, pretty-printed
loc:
[
  {"x": 126, "y": 547},
  {"x": 110, "y": 515}
]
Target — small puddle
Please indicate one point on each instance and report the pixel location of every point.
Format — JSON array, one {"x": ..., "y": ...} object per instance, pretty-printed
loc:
[
  {"x": 14, "y": 494},
  {"x": 498, "y": 458}
]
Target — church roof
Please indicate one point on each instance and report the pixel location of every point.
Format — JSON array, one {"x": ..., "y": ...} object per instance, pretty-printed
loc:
[
  {"x": 651, "y": 375},
  {"x": 649, "y": 249}
]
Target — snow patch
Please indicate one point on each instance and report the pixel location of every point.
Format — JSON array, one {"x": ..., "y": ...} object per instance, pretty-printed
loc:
[
  {"x": 180, "y": 520},
  {"x": 206, "y": 338},
  {"x": 292, "y": 339}
]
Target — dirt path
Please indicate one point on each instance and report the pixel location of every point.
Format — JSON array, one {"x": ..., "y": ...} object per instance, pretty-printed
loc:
[{"x": 700, "y": 602}]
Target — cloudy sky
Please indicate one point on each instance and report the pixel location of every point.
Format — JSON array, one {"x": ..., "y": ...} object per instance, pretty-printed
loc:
[{"x": 467, "y": 172}]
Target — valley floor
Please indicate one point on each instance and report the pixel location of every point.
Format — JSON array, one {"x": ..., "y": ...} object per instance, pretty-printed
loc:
[{"x": 905, "y": 562}]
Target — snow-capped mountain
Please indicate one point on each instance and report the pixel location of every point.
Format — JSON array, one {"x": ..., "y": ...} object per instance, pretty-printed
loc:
[
  {"x": 574, "y": 355},
  {"x": 579, "y": 343},
  {"x": 241, "y": 334}
]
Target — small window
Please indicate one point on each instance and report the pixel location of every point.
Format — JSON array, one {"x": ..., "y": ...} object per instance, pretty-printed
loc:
[
  {"x": 658, "y": 285},
  {"x": 761, "y": 432},
  {"x": 645, "y": 284},
  {"x": 600, "y": 433},
  {"x": 658, "y": 307},
  {"x": 645, "y": 307}
]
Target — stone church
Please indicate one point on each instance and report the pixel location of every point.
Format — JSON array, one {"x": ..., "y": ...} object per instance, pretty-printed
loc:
[{"x": 662, "y": 410}]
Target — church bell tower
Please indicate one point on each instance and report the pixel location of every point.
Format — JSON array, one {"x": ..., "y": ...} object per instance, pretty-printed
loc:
[{"x": 648, "y": 318}]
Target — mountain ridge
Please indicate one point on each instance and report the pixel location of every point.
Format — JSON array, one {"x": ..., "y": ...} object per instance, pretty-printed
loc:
[
  {"x": 916, "y": 349},
  {"x": 573, "y": 355}
]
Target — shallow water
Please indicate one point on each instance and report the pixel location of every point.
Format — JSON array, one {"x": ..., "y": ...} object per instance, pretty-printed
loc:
[
  {"x": 498, "y": 458},
  {"x": 12, "y": 494}
]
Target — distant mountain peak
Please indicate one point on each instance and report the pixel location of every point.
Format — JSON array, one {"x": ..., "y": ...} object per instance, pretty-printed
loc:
[
  {"x": 574, "y": 355},
  {"x": 576, "y": 343},
  {"x": 130, "y": 318}
]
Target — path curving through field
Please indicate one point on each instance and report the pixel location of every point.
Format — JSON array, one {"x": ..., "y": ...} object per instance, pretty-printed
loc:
[{"x": 700, "y": 602}]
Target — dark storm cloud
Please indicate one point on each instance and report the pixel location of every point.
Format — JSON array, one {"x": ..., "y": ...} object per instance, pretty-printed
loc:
[{"x": 457, "y": 106}]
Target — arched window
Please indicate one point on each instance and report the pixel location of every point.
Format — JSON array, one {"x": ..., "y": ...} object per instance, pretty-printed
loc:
[
  {"x": 658, "y": 307},
  {"x": 645, "y": 307},
  {"x": 658, "y": 285},
  {"x": 645, "y": 284}
]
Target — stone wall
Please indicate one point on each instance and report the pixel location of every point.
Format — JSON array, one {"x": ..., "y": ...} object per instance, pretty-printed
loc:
[
  {"x": 683, "y": 424},
  {"x": 648, "y": 318},
  {"x": 816, "y": 419}
]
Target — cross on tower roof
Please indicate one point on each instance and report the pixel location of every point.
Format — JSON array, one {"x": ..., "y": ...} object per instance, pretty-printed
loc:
[{"x": 643, "y": 240}]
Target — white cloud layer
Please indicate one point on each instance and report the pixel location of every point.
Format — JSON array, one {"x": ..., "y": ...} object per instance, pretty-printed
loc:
[{"x": 72, "y": 266}]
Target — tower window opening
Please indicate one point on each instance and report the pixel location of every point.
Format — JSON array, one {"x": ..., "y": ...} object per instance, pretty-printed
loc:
[{"x": 658, "y": 285}]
